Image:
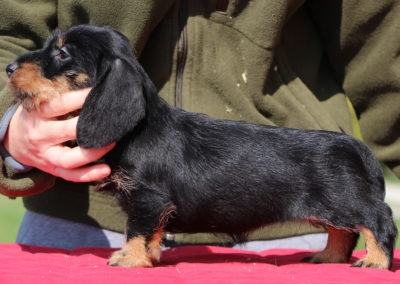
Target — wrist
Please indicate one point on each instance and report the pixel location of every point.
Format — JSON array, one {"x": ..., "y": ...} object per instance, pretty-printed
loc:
[{"x": 4, "y": 142}]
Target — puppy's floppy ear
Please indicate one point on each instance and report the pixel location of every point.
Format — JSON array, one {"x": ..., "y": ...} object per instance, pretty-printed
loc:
[{"x": 114, "y": 106}]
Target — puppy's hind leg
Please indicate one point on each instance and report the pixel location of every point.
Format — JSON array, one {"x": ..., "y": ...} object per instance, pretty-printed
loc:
[
  {"x": 338, "y": 249},
  {"x": 380, "y": 234}
]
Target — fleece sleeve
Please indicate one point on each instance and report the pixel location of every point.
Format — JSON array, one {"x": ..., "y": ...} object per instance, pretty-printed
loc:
[{"x": 362, "y": 40}]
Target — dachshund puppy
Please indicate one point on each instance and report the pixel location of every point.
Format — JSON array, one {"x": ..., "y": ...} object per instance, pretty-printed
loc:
[{"x": 178, "y": 171}]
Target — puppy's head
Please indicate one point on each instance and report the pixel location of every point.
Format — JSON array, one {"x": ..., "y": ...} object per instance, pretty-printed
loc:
[{"x": 85, "y": 56}]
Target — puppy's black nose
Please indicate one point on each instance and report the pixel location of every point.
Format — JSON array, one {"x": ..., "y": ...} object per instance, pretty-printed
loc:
[{"x": 11, "y": 68}]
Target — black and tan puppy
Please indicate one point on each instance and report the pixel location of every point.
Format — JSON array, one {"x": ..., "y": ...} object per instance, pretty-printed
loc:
[{"x": 185, "y": 172}]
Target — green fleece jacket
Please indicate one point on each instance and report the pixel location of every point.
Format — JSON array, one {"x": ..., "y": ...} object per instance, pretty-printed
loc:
[{"x": 288, "y": 63}]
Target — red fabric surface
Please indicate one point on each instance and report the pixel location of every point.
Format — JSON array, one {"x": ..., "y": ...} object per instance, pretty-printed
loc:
[{"x": 195, "y": 264}]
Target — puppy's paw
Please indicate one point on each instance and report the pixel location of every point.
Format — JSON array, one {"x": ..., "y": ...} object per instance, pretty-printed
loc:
[
  {"x": 124, "y": 259},
  {"x": 312, "y": 259},
  {"x": 324, "y": 257},
  {"x": 365, "y": 262}
]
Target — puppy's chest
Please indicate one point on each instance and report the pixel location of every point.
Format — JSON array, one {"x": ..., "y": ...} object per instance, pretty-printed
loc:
[{"x": 130, "y": 169}]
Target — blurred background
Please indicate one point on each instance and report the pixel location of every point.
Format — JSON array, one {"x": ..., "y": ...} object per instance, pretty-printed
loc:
[{"x": 12, "y": 211}]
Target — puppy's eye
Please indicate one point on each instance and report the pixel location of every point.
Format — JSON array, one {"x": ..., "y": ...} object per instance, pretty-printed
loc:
[{"x": 63, "y": 53}]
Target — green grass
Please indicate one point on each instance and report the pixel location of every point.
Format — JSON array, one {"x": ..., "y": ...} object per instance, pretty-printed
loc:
[{"x": 11, "y": 213}]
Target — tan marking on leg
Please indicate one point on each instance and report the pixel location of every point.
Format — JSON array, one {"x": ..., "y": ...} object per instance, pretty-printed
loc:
[
  {"x": 376, "y": 257},
  {"x": 337, "y": 249},
  {"x": 133, "y": 254},
  {"x": 154, "y": 246}
]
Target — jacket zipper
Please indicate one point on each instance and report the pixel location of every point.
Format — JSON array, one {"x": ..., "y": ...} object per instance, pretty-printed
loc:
[{"x": 182, "y": 53}]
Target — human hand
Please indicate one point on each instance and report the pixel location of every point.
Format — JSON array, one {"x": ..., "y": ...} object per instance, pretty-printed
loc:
[{"x": 35, "y": 139}]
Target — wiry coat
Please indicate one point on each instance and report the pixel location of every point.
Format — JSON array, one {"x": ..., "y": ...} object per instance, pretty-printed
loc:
[{"x": 186, "y": 172}]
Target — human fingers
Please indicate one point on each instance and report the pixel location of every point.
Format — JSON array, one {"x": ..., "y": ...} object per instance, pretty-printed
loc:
[
  {"x": 54, "y": 132},
  {"x": 84, "y": 174},
  {"x": 68, "y": 158},
  {"x": 63, "y": 104}
]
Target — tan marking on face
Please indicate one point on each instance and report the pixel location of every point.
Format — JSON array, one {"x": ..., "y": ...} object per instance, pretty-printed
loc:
[
  {"x": 60, "y": 42},
  {"x": 81, "y": 79},
  {"x": 376, "y": 257},
  {"x": 32, "y": 89}
]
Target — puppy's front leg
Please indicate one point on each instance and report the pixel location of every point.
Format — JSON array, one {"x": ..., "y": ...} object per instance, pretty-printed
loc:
[{"x": 140, "y": 250}]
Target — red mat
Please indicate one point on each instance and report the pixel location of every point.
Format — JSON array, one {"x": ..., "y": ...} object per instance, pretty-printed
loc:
[{"x": 194, "y": 264}]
